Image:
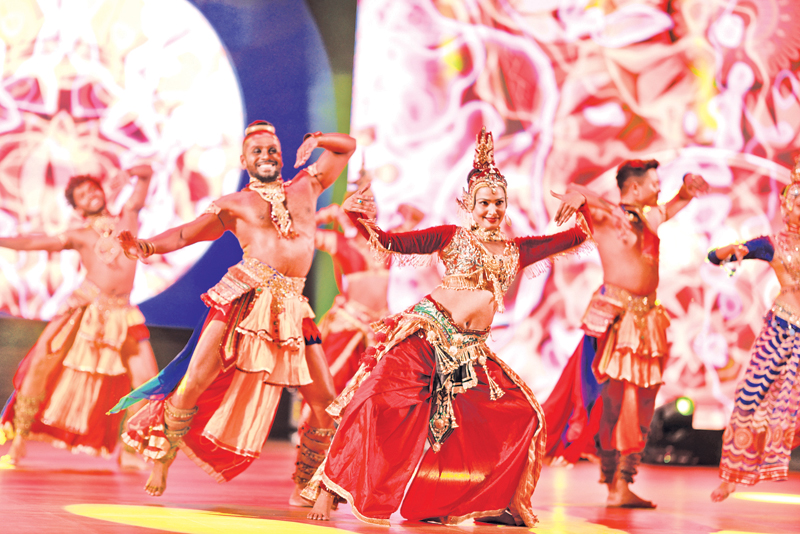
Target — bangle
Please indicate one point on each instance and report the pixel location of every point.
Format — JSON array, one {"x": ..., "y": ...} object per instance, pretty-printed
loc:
[
  {"x": 314, "y": 134},
  {"x": 147, "y": 248}
]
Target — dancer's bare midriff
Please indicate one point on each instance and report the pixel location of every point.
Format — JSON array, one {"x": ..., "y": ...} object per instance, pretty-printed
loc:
[{"x": 470, "y": 309}]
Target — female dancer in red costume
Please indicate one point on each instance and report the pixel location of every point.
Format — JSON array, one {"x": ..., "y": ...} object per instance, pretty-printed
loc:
[{"x": 432, "y": 377}]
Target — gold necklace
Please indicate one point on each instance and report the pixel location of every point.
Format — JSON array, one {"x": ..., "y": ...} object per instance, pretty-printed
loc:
[
  {"x": 275, "y": 194},
  {"x": 102, "y": 224},
  {"x": 488, "y": 235},
  {"x": 106, "y": 248}
]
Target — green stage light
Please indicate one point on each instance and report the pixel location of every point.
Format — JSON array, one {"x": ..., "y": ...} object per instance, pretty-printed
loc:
[{"x": 685, "y": 406}]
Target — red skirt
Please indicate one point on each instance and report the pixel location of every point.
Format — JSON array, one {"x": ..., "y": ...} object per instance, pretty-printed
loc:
[
  {"x": 574, "y": 408},
  {"x": 489, "y": 460}
]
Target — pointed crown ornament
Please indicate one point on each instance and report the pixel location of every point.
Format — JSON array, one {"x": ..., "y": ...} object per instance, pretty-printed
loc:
[
  {"x": 484, "y": 173},
  {"x": 792, "y": 191}
]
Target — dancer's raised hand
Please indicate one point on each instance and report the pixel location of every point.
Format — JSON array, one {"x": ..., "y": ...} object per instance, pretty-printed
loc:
[
  {"x": 362, "y": 201},
  {"x": 571, "y": 201}
]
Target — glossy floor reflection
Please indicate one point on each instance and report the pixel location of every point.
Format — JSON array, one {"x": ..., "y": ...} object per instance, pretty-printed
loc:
[{"x": 58, "y": 492}]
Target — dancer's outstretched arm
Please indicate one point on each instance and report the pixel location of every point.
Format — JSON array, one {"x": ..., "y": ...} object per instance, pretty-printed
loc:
[
  {"x": 759, "y": 248},
  {"x": 36, "y": 242},
  {"x": 537, "y": 248},
  {"x": 426, "y": 241}
]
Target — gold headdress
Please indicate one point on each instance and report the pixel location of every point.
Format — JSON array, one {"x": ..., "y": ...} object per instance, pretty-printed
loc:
[
  {"x": 791, "y": 192},
  {"x": 484, "y": 173}
]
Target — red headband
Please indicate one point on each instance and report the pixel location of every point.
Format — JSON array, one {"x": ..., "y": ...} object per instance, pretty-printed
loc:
[{"x": 257, "y": 127}]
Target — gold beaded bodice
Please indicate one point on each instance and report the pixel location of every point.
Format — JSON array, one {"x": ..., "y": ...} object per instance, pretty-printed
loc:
[
  {"x": 469, "y": 265},
  {"x": 787, "y": 249}
]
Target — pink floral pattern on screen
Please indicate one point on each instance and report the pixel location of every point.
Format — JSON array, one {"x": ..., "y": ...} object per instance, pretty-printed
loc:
[
  {"x": 569, "y": 92},
  {"x": 96, "y": 88}
]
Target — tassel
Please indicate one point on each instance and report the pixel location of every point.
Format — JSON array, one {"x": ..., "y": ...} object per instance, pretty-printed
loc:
[{"x": 495, "y": 391}]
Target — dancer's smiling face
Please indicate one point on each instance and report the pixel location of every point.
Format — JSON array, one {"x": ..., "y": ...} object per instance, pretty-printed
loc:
[
  {"x": 490, "y": 207},
  {"x": 261, "y": 156},
  {"x": 89, "y": 198}
]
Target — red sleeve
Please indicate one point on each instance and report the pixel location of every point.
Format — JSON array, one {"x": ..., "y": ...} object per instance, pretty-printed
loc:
[
  {"x": 587, "y": 217},
  {"x": 425, "y": 241},
  {"x": 537, "y": 248},
  {"x": 356, "y": 219}
]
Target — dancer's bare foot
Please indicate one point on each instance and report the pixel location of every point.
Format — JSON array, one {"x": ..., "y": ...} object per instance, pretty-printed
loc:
[
  {"x": 18, "y": 450},
  {"x": 620, "y": 496},
  {"x": 322, "y": 507},
  {"x": 298, "y": 500},
  {"x": 157, "y": 482},
  {"x": 723, "y": 491},
  {"x": 503, "y": 519},
  {"x": 129, "y": 460}
]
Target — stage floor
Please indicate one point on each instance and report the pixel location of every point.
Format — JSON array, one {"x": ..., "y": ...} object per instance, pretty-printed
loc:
[{"x": 58, "y": 492}]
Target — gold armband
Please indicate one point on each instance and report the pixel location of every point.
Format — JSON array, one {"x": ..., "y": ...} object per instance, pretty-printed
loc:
[
  {"x": 312, "y": 170},
  {"x": 213, "y": 209}
]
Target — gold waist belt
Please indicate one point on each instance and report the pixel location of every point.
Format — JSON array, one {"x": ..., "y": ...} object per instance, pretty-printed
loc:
[
  {"x": 637, "y": 304},
  {"x": 88, "y": 293},
  {"x": 262, "y": 275},
  {"x": 250, "y": 274},
  {"x": 786, "y": 313}
]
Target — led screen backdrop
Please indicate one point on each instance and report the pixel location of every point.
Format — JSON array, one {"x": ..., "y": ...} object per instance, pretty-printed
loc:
[
  {"x": 95, "y": 87},
  {"x": 570, "y": 89}
]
